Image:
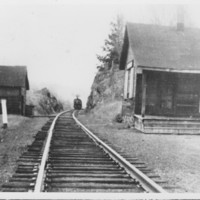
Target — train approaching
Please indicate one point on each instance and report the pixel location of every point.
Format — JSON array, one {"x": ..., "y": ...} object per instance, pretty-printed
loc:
[{"x": 77, "y": 104}]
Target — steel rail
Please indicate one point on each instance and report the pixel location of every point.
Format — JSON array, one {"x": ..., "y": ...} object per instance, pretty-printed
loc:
[
  {"x": 148, "y": 184},
  {"x": 40, "y": 177}
]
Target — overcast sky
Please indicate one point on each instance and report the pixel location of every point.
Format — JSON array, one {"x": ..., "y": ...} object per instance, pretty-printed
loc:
[{"x": 58, "y": 40}]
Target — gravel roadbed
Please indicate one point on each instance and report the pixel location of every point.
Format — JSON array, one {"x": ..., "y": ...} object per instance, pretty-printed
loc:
[{"x": 175, "y": 158}]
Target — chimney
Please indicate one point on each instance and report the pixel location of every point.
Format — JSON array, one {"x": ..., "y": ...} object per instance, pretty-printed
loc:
[{"x": 180, "y": 18}]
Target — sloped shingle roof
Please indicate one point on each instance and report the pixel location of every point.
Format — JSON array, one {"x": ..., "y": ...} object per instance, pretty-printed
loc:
[
  {"x": 15, "y": 76},
  {"x": 162, "y": 46}
]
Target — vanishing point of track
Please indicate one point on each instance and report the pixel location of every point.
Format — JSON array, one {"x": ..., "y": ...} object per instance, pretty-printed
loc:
[{"x": 67, "y": 157}]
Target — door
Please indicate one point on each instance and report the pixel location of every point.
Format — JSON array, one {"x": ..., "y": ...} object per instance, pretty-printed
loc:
[{"x": 138, "y": 95}]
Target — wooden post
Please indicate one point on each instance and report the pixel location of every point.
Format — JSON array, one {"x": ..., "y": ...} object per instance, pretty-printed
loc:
[
  {"x": 144, "y": 85},
  {"x": 4, "y": 113},
  {"x": 199, "y": 100},
  {"x": 174, "y": 92},
  {"x": 159, "y": 84}
]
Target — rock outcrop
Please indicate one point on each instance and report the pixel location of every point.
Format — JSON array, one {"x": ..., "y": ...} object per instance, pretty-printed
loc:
[
  {"x": 44, "y": 102},
  {"x": 107, "y": 86}
]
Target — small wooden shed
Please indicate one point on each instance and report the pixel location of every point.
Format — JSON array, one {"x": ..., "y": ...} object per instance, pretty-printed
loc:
[
  {"x": 13, "y": 85},
  {"x": 162, "y": 77}
]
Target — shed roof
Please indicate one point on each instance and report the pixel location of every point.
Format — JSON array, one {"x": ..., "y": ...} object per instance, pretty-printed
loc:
[
  {"x": 14, "y": 76},
  {"x": 162, "y": 46}
]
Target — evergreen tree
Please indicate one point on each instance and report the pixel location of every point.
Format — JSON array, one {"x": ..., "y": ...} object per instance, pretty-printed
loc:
[{"x": 113, "y": 44}]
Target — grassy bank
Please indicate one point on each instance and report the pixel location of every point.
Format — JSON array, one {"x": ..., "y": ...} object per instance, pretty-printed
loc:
[
  {"x": 105, "y": 113},
  {"x": 14, "y": 140}
]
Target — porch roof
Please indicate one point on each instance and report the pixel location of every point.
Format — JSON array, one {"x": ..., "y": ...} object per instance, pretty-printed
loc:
[
  {"x": 162, "y": 47},
  {"x": 160, "y": 69}
]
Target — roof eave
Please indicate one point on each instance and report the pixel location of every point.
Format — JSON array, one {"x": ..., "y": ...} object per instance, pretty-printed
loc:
[
  {"x": 124, "y": 50},
  {"x": 149, "y": 68},
  {"x": 27, "y": 83}
]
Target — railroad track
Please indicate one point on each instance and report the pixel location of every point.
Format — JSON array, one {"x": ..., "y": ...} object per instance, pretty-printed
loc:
[{"x": 67, "y": 157}]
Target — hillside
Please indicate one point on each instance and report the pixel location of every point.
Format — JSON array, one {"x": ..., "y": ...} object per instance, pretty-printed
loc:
[
  {"x": 107, "y": 87},
  {"x": 44, "y": 102}
]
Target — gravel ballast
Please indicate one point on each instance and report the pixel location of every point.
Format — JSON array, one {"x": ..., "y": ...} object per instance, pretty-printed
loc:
[{"x": 175, "y": 158}]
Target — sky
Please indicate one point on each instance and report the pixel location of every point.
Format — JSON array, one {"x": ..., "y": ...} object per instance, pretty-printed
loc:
[{"x": 58, "y": 39}]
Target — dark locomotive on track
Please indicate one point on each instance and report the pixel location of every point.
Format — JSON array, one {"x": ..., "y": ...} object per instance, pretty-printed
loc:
[{"x": 77, "y": 104}]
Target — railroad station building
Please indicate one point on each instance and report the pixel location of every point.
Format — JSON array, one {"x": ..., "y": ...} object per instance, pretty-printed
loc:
[
  {"x": 13, "y": 85},
  {"x": 162, "y": 78}
]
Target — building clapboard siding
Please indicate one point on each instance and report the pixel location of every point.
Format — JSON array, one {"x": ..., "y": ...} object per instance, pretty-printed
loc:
[
  {"x": 13, "y": 86},
  {"x": 162, "y": 77}
]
